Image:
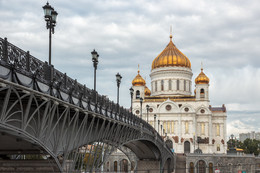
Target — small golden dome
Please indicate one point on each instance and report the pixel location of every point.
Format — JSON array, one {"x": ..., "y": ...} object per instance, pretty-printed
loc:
[
  {"x": 202, "y": 78},
  {"x": 171, "y": 57},
  {"x": 147, "y": 92},
  {"x": 138, "y": 80}
]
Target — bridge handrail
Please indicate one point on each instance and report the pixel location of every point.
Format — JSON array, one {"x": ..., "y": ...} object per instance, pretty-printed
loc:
[{"x": 21, "y": 61}]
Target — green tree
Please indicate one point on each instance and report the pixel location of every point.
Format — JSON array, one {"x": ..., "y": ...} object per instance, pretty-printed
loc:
[{"x": 251, "y": 146}]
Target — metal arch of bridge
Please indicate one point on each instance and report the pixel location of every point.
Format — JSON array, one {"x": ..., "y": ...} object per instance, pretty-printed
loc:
[{"x": 50, "y": 110}]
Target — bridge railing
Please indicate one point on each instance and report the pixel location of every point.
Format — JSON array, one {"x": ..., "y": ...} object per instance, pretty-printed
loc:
[{"x": 20, "y": 61}]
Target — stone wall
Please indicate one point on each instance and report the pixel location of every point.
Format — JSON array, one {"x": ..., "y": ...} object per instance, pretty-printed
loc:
[{"x": 224, "y": 163}]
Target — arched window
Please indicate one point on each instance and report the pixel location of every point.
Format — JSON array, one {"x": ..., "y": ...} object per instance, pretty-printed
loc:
[
  {"x": 203, "y": 128},
  {"x": 165, "y": 125},
  {"x": 107, "y": 166},
  {"x": 186, "y": 127},
  {"x": 218, "y": 147},
  {"x": 218, "y": 130},
  {"x": 172, "y": 127},
  {"x": 137, "y": 94},
  {"x": 168, "y": 127},
  {"x": 184, "y": 85},
  {"x": 186, "y": 147},
  {"x": 170, "y": 84},
  {"x": 115, "y": 166},
  {"x": 210, "y": 167},
  {"x": 202, "y": 93},
  {"x": 230, "y": 168},
  {"x": 178, "y": 84},
  {"x": 124, "y": 165},
  {"x": 155, "y": 85},
  {"x": 191, "y": 167},
  {"x": 162, "y": 85}
]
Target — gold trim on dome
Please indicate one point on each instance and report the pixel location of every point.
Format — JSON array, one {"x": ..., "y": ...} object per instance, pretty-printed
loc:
[
  {"x": 171, "y": 56},
  {"x": 147, "y": 92},
  {"x": 138, "y": 80},
  {"x": 202, "y": 78}
]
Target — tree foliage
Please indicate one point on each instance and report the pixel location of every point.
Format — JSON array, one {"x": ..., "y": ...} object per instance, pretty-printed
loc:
[{"x": 250, "y": 146}]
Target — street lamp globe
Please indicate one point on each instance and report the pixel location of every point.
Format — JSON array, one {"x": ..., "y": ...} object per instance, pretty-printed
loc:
[
  {"x": 118, "y": 81},
  {"x": 47, "y": 11},
  {"x": 54, "y": 15},
  {"x": 118, "y": 78},
  {"x": 131, "y": 91},
  {"x": 94, "y": 57}
]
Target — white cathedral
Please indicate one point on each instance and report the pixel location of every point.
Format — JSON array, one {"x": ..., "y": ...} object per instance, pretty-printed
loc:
[{"x": 179, "y": 116}]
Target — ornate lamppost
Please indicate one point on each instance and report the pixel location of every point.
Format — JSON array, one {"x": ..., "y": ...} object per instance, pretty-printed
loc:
[
  {"x": 158, "y": 126},
  {"x": 232, "y": 136},
  {"x": 131, "y": 93},
  {"x": 118, "y": 81},
  {"x": 95, "y": 56},
  {"x": 50, "y": 16},
  {"x": 141, "y": 102},
  {"x": 147, "y": 109},
  {"x": 155, "y": 121}
]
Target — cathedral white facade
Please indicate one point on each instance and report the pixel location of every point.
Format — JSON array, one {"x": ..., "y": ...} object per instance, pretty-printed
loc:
[{"x": 179, "y": 116}]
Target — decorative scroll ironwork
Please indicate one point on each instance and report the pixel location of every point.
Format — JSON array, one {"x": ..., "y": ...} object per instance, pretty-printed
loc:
[{"x": 86, "y": 114}]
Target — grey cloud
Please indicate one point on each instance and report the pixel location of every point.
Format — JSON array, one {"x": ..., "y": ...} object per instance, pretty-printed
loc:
[{"x": 222, "y": 34}]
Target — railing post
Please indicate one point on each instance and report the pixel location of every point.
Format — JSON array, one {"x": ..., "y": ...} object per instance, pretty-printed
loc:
[
  {"x": 28, "y": 61},
  {"x": 46, "y": 71},
  {"x": 5, "y": 53},
  {"x": 84, "y": 91},
  {"x": 52, "y": 72},
  {"x": 65, "y": 80}
]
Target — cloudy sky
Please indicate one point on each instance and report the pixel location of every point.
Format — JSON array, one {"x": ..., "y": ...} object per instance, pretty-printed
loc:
[{"x": 224, "y": 35}]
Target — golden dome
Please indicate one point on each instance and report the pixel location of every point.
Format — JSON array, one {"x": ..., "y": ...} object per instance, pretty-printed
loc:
[
  {"x": 170, "y": 57},
  {"x": 202, "y": 78},
  {"x": 138, "y": 80},
  {"x": 147, "y": 92}
]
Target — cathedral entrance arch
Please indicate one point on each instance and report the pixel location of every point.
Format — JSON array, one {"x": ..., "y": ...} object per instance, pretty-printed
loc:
[
  {"x": 186, "y": 147},
  {"x": 201, "y": 166}
]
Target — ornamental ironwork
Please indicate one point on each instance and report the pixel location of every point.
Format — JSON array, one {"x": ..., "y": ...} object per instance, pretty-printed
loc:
[{"x": 61, "y": 116}]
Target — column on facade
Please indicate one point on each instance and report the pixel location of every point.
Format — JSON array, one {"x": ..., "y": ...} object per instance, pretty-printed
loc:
[
  {"x": 180, "y": 128},
  {"x": 210, "y": 129},
  {"x": 194, "y": 131},
  {"x": 224, "y": 135},
  {"x": 190, "y": 127},
  {"x": 222, "y": 131},
  {"x": 174, "y": 88}
]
